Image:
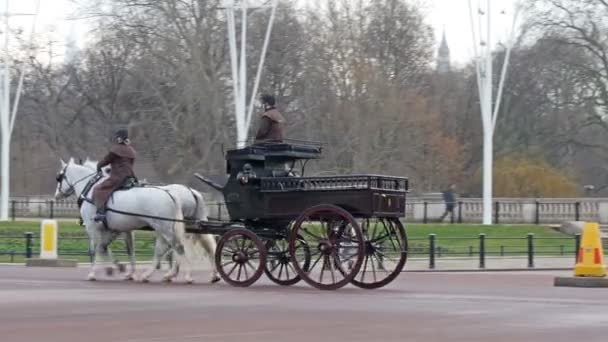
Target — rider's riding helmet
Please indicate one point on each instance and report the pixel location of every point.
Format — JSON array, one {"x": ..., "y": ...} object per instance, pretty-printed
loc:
[{"x": 121, "y": 135}]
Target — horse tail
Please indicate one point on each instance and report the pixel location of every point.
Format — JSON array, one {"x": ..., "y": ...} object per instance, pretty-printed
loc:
[
  {"x": 202, "y": 213},
  {"x": 179, "y": 228}
]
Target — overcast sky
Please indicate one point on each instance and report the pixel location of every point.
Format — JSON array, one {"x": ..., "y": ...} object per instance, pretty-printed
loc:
[{"x": 453, "y": 15}]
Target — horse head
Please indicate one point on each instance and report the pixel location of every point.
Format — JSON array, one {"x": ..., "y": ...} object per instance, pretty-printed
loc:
[{"x": 71, "y": 178}]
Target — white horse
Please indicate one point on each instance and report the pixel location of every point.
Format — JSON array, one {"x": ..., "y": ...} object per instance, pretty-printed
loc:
[
  {"x": 127, "y": 210},
  {"x": 193, "y": 207}
]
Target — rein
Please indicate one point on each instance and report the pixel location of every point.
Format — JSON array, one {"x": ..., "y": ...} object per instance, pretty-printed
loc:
[
  {"x": 83, "y": 197},
  {"x": 88, "y": 200},
  {"x": 71, "y": 190}
]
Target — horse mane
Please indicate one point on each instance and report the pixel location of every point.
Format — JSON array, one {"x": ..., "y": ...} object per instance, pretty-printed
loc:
[{"x": 92, "y": 165}]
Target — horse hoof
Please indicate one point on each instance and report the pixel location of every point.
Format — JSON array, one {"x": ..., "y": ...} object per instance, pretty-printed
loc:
[
  {"x": 122, "y": 268},
  {"x": 109, "y": 271},
  {"x": 189, "y": 281},
  {"x": 215, "y": 279},
  {"x": 167, "y": 279},
  {"x": 129, "y": 277},
  {"x": 91, "y": 277}
]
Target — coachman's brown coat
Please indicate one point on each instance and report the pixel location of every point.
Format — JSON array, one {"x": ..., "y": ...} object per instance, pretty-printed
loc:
[
  {"x": 121, "y": 158},
  {"x": 271, "y": 126}
]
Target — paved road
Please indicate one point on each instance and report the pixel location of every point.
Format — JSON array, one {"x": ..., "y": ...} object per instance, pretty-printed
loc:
[{"x": 39, "y": 304}]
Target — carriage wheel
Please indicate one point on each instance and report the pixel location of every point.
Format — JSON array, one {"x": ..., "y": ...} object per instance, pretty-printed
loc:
[
  {"x": 279, "y": 267},
  {"x": 385, "y": 252},
  {"x": 240, "y": 257},
  {"x": 336, "y": 246}
]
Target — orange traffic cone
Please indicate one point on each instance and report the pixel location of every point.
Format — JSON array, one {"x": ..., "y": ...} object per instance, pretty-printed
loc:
[{"x": 590, "y": 261}]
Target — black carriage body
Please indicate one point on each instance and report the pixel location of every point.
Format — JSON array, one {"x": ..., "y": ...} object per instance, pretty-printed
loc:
[
  {"x": 263, "y": 190},
  {"x": 264, "y": 195}
]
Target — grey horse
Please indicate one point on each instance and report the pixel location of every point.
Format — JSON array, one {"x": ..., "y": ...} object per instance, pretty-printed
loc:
[{"x": 128, "y": 210}]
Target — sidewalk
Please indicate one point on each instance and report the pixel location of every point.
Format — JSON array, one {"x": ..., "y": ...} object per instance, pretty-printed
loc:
[
  {"x": 491, "y": 263},
  {"x": 441, "y": 264}
]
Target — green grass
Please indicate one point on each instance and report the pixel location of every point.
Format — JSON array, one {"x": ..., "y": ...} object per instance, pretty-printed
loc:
[
  {"x": 463, "y": 239},
  {"x": 73, "y": 241},
  {"x": 450, "y": 240}
]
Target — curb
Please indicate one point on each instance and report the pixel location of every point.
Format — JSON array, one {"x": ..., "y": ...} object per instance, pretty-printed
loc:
[
  {"x": 489, "y": 270},
  {"x": 587, "y": 282}
]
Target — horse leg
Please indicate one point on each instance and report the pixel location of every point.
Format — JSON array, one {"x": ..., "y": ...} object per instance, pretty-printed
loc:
[
  {"x": 95, "y": 248},
  {"x": 131, "y": 252},
  {"x": 101, "y": 247},
  {"x": 177, "y": 243},
  {"x": 110, "y": 269},
  {"x": 209, "y": 244},
  {"x": 165, "y": 250},
  {"x": 160, "y": 248}
]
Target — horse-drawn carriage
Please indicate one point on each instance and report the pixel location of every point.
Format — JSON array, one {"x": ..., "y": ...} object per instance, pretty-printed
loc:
[{"x": 328, "y": 231}]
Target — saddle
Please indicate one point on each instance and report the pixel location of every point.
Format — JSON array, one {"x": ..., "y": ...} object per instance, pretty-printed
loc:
[{"x": 130, "y": 183}]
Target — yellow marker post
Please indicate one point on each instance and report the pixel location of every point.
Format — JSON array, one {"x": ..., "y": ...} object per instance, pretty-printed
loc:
[
  {"x": 590, "y": 261},
  {"x": 48, "y": 239}
]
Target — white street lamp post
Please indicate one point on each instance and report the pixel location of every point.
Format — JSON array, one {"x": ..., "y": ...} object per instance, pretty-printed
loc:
[
  {"x": 483, "y": 63},
  {"x": 7, "y": 117},
  {"x": 239, "y": 68}
]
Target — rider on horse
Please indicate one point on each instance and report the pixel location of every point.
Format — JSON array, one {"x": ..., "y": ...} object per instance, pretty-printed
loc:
[{"x": 121, "y": 158}]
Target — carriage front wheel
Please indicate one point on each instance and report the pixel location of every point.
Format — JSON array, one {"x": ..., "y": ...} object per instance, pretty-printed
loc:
[
  {"x": 240, "y": 257},
  {"x": 385, "y": 252},
  {"x": 279, "y": 266},
  {"x": 336, "y": 246}
]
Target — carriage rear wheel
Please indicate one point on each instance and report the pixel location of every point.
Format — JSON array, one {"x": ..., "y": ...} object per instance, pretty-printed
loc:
[
  {"x": 240, "y": 257},
  {"x": 336, "y": 246},
  {"x": 279, "y": 267},
  {"x": 385, "y": 252}
]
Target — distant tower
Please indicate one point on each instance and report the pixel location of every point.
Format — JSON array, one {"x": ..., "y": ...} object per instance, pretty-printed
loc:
[
  {"x": 443, "y": 56},
  {"x": 71, "y": 47}
]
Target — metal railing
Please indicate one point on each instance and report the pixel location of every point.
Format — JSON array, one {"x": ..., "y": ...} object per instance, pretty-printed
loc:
[
  {"x": 545, "y": 211},
  {"x": 480, "y": 247},
  {"x": 528, "y": 246},
  {"x": 52, "y": 209},
  {"x": 15, "y": 248}
]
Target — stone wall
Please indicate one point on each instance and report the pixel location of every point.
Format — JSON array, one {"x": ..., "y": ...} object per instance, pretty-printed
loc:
[{"x": 429, "y": 209}]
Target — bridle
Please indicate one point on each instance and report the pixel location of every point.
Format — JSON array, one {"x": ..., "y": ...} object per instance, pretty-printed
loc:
[{"x": 61, "y": 177}]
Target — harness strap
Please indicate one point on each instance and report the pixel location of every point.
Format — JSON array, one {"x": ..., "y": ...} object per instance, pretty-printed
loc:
[
  {"x": 88, "y": 200},
  {"x": 87, "y": 188}
]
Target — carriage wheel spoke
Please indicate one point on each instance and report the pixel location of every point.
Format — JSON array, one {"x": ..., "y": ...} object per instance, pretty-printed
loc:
[
  {"x": 332, "y": 270},
  {"x": 287, "y": 271},
  {"x": 245, "y": 269},
  {"x": 311, "y": 234},
  {"x": 380, "y": 262},
  {"x": 227, "y": 263},
  {"x": 274, "y": 268},
  {"x": 322, "y": 269},
  {"x": 232, "y": 269},
  {"x": 395, "y": 260},
  {"x": 315, "y": 263},
  {"x": 292, "y": 269},
  {"x": 374, "y": 271},
  {"x": 248, "y": 263},
  {"x": 238, "y": 275},
  {"x": 364, "y": 268}
]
